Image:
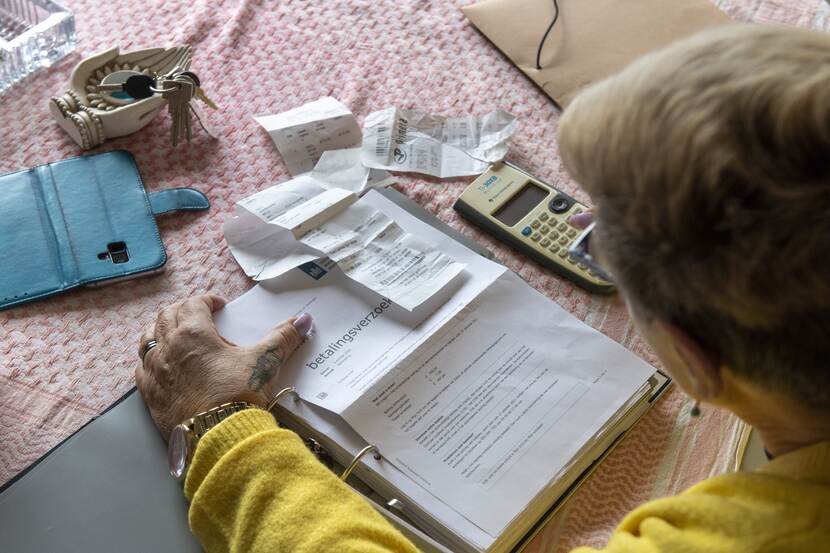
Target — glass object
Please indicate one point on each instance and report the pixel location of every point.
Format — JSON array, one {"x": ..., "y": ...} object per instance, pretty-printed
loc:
[{"x": 33, "y": 34}]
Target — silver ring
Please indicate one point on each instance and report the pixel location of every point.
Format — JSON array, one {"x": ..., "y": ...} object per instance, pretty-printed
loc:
[{"x": 147, "y": 347}]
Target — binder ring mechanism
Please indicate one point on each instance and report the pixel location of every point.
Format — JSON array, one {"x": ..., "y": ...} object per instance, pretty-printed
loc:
[
  {"x": 291, "y": 390},
  {"x": 356, "y": 460},
  {"x": 284, "y": 392}
]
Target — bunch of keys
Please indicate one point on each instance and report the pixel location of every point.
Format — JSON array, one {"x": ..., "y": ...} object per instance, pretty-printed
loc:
[{"x": 177, "y": 87}]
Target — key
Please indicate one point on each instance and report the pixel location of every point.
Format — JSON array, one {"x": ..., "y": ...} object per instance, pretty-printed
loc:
[
  {"x": 200, "y": 93},
  {"x": 194, "y": 109},
  {"x": 178, "y": 92}
]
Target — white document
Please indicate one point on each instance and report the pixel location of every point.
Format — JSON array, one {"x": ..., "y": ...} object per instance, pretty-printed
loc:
[
  {"x": 304, "y": 133},
  {"x": 301, "y": 220},
  {"x": 358, "y": 334},
  {"x": 498, "y": 401},
  {"x": 411, "y": 140},
  {"x": 482, "y": 396}
]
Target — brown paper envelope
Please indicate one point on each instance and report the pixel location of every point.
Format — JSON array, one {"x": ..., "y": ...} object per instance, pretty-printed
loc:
[{"x": 592, "y": 38}]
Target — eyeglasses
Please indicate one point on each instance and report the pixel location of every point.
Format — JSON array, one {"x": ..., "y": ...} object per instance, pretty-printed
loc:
[{"x": 581, "y": 253}]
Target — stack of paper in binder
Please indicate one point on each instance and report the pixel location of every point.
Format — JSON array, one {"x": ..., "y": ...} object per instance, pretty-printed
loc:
[{"x": 485, "y": 400}]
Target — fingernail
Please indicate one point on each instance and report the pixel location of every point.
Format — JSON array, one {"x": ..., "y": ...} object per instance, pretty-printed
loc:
[
  {"x": 303, "y": 324},
  {"x": 581, "y": 220}
]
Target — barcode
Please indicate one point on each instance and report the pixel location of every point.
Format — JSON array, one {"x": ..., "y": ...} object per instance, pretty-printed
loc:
[
  {"x": 403, "y": 129},
  {"x": 383, "y": 140}
]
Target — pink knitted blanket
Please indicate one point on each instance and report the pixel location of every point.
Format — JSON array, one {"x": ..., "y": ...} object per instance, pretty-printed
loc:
[{"x": 65, "y": 359}]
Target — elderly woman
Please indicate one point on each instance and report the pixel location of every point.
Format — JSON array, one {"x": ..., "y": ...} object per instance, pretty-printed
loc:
[{"x": 709, "y": 166}]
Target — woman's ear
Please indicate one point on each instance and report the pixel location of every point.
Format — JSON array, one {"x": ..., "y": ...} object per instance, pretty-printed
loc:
[{"x": 702, "y": 365}]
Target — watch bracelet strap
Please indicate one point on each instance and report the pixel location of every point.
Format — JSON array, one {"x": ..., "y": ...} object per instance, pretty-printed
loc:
[
  {"x": 206, "y": 420},
  {"x": 203, "y": 422}
]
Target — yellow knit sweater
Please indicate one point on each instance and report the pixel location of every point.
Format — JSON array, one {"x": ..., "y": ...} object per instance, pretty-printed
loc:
[{"x": 255, "y": 488}]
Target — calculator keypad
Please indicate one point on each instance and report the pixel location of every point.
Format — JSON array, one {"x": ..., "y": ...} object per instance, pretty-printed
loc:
[{"x": 550, "y": 232}]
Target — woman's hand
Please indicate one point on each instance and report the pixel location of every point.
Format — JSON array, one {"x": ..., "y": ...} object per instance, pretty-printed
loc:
[{"x": 193, "y": 369}]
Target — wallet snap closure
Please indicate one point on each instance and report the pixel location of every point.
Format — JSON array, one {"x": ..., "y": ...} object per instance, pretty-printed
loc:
[{"x": 177, "y": 199}]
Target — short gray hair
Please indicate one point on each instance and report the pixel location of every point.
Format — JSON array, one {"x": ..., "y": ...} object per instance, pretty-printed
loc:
[{"x": 709, "y": 163}]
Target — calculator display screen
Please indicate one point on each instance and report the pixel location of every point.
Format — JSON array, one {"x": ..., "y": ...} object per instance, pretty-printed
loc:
[{"x": 520, "y": 204}]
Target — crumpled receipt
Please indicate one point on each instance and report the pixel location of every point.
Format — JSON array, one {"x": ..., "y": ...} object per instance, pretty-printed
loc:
[
  {"x": 344, "y": 169},
  {"x": 302, "y": 134},
  {"x": 305, "y": 219},
  {"x": 411, "y": 140},
  {"x": 322, "y": 136}
]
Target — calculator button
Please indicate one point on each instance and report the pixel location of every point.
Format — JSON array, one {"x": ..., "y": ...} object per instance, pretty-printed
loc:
[
  {"x": 545, "y": 243},
  {"x": 545, "y": 229},
  {"x": 554, "y": 235},
  {"x": 572, "y": 233},
  {"x": 582, "y": 266},
  {"x": 527, "y": 231},
  {"x": 564, "y": 240},
  {"x": 535, "y": 224},
  {"x": 536, "y": 237},
  {"x": 571, "y": 261},
  {"x": 561, "y": 227},
  {"x": 544, "y": 216},
  {"x": 554, "y": 248},
  {"x": 577, "y": 211},
  {"x": 563, "y": 254}
]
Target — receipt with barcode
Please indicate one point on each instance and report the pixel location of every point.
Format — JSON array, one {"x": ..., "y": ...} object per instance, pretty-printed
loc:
[
  {"x": 306, "y": 221},
  {"x": 410, "y": 140}
]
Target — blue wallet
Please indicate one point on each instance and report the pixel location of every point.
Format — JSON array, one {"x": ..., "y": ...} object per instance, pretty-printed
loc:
[{"x": 80, "y": 221}]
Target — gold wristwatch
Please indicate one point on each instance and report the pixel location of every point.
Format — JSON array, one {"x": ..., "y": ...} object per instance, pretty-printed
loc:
[{"x": 185, "y": 436}]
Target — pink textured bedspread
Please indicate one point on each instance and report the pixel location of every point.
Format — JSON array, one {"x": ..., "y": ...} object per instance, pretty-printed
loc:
[{"x": 65, "y": 359}]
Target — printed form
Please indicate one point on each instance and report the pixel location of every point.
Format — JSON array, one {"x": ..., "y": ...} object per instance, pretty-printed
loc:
[
  {"x": 359, "y": 334},
  {"x": 487, "y": 390},
  {"x": 498, "y": 401}
]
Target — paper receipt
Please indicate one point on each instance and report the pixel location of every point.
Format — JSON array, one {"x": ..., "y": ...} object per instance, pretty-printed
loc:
[
  {"x": 302, "y": 220},
  {"x": 304, "y": 133},
  {"x": 411, "y": 140}
]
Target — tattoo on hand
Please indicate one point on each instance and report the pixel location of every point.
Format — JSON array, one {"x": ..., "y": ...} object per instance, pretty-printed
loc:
[{"x": 267, "y": 366}]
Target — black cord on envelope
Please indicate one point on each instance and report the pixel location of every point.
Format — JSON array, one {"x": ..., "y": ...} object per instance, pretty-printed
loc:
[{"x": 545, "y": 36}]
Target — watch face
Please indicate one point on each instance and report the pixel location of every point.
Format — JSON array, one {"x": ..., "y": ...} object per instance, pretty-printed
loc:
[{"x": 177, "y": 452}]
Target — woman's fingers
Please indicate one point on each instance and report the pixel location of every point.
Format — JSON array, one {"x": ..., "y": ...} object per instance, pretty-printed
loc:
[
  {"x": 275, "y": 348},
  {"x": 581, "y": 220},
  {"x": 146, "y": 337},
  {"x": 167, "y": 321},
  {"x": 197, "y": 314}
]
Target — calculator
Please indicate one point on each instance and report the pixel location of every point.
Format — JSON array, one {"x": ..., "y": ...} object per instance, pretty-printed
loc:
[{"x": 531, "y": 216}]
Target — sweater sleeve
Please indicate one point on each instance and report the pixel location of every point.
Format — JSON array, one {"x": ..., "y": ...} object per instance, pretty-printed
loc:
[{"x": 254, "y": 487}]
